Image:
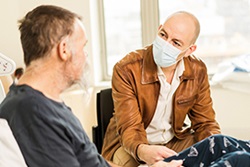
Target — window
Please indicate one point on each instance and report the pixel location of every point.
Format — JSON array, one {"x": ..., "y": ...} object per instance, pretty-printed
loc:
[
  {"x": 224, "y": 24},
  {"x": 122, "y": 24},
  {"x": 224, "y": 33}
]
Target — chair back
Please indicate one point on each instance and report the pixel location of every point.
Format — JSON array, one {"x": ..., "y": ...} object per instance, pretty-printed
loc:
[{"x": 105, "y": 109}]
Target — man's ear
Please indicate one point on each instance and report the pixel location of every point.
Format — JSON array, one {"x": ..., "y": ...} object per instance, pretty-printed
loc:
[
  {"x": 160, "y": 26},
  {"x": 63, "y": 49},
  {"x": 191, "y": 50}
]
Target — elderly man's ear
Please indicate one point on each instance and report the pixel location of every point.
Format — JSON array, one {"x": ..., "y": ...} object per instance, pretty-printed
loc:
[{"x": 63, "y": 49}]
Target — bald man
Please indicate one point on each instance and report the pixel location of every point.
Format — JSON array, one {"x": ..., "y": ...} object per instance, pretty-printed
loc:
[{"x": 154, "y": 89}]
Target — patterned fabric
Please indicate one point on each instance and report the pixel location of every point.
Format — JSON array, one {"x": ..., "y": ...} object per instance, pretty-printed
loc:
[{"x": 216, "y": 151}]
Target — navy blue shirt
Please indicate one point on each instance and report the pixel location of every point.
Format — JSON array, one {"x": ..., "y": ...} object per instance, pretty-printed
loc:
[{"x": 46, "y": 131}]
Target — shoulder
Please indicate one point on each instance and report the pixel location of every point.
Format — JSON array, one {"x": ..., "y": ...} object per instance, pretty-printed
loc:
[
  {"x": 195, "y": 59},
  {"x": 25, "y": 103},
  {"x": 134, "y": 57},
  {"x": 19, "y": 98},
  {"x": 194, "y": 62}
]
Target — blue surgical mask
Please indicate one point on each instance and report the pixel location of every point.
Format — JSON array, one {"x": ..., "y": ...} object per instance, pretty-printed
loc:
[{"x": 164, "y": 53}]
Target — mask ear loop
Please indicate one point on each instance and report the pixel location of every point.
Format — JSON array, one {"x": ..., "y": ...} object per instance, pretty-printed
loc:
[
  {"x": 187, "y": 48},
  {"x": 184, "y": 51}
]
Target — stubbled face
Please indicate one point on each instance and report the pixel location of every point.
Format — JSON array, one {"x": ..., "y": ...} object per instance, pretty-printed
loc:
[
  {"x": 77, "y": 65},
  {"x": 179, "y": 31}
]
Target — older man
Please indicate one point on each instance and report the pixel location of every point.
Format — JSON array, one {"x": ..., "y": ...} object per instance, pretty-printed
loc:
[
  {"x": 48, "y": 134},
  {"x": 154, "y": 89}
]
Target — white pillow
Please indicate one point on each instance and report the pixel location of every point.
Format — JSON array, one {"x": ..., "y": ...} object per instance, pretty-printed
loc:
[{"x": 10, "y": 154}]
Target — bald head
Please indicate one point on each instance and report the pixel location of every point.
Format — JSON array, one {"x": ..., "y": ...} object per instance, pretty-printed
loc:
[{"x": 188, "y": 21}]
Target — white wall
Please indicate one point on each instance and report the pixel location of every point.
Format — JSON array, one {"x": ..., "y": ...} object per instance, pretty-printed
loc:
[
  {"x": 13, "y": 10},
  {"x": 9, "y": 36},
  {"x": 232, "y": 109}
]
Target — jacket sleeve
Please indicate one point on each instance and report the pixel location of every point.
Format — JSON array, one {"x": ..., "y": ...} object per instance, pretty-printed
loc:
[
  {"x": 130, "y": 127},
  {"x": 202, "y": 114}
]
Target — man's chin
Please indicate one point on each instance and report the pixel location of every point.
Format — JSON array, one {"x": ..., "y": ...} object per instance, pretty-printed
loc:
[
  {"x": 77, "y": 85},
  {"x": 85, "y": 81}
]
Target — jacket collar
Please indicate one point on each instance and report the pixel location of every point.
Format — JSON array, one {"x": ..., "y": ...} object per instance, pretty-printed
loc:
[
  {"x": 188, "y": 73},
  {"x": 149, "y": 68}
]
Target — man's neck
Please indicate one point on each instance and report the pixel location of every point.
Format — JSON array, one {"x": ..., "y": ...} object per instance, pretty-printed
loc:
[
  {"x": 169, "y": 72},
  {"x": 46, "y": 80}
]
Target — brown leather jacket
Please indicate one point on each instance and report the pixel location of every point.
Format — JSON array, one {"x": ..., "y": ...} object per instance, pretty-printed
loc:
[{"x": 136, "y": 87}]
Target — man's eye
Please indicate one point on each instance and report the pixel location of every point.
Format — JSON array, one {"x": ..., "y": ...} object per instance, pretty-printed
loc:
[
  {"x": 177, "y": 44},
  {"x": 164, "y": 36}
]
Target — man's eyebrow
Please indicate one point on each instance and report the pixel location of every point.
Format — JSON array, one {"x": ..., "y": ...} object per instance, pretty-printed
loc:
[
  {"x": 174, "y": 39},
  {"x": 164, "y": 31},
  {"x": 178, "y": 40}
]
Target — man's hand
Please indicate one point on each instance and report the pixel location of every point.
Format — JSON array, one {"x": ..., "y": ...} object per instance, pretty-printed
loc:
[
  {"x": 173, "y": 163},
  {"x": 153, "y": 153}
]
